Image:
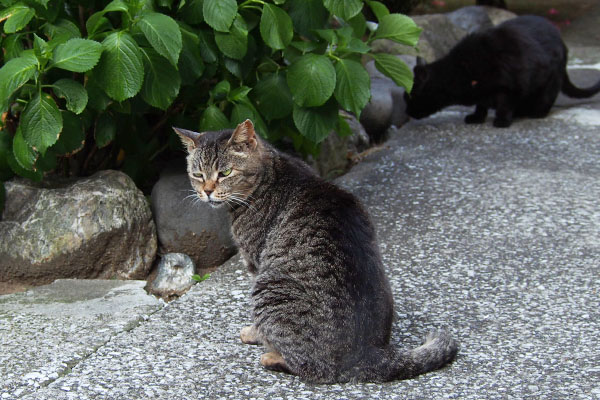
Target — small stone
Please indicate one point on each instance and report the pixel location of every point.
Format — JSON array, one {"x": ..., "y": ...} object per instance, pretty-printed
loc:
[{"x": 174, "y": 276}]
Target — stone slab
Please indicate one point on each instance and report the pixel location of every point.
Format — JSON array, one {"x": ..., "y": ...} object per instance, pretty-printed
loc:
[{"x": 45, "y": 331}]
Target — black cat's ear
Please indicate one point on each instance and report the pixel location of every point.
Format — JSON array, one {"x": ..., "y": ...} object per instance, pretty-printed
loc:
[
  {"x": 244, "y": 134},
  {"x": 188, "y": 138},
  {"x": 421, "y": 61}
]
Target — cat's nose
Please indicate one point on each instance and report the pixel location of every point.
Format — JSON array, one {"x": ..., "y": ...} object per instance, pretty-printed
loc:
[{"x": 208, "y": 192}]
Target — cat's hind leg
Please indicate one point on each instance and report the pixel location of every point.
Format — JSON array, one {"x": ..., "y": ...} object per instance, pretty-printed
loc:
[
  {"x": 250, "y": 335},
  {"x": 274, "y": 361},
  {"x": 478, "y": 116},
  {"x": 504, "y": 111}
]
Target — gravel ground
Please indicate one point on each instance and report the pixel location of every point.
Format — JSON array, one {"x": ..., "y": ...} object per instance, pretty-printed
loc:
[{"x": 493, "y": 234}]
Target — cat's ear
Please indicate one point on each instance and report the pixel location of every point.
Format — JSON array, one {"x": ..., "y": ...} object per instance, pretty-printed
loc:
[
  {"x": 244, "y": 134},
  {"x": 188, "y": 138}
]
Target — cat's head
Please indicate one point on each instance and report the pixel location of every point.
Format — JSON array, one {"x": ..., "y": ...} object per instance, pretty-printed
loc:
[
  {"x": 438, "y": 85},
  {"x": 426, "y": 96},
  {"x": 223, "y": 166}
]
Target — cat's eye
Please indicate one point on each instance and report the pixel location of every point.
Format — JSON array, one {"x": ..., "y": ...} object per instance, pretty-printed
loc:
[
  {"x": 198, "y": 175},
  {"x": 226, "y": 172}
]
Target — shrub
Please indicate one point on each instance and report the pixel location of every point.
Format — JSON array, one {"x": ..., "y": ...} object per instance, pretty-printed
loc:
[{"x": 90, "y": 85}]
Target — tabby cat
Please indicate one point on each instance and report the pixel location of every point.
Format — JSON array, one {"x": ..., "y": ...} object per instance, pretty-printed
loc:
[{"x": 322, "y": 305}]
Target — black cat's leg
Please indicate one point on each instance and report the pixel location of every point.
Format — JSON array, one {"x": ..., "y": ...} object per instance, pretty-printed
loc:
[
  {"x": 543, "y": 102},
  {"x": 250, "y": 335},
  {"x": 504, "y": 111},
  {"x": 478, "y": 116}
]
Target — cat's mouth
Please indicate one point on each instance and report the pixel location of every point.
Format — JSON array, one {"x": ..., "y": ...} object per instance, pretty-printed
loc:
[{"x": 215, "y": 203}]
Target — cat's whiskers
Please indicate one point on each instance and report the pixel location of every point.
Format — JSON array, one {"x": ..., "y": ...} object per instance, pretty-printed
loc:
[
  {"x": 245, "y": 197},
  {"x": 238, "y": 200}
]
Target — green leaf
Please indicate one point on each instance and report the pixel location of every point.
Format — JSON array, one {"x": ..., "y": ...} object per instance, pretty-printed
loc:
[
  {"x": 213, "y": 119},
  {"x": 219, "y": 14},
  {"x": 272, "y": 96},
  {"x": 72, "y": 137},
  {"x": 163, "y": 34},
  {"x": 307, "y": 15},
  {"x": 191, "y": 12},
  {"x": 394, "y": 68},
  {"x": 14, "y": 74},
  {"x": 106, "y": 130},
  {"x": 399, "y": 28},
  {"x": 276, "y": 27},
  {"x": 17, "y": 169},
  {"x": 379, "y": 9},
  {"x": 97, "y": 98},
  {"x": 17, "y": 17},
  {"x": 191, "y": 65},
  {"x": 73, "y": 92},
  {"x": 207, "y": 46},
  {"x": 239, "y": 93},
  {"x": 316, "y": 123},
  {"x": 311, "y": 79},
  {"x": 221, "y": 90},
  {"x": 24, "y": 154},
  {"x": 40, "y": 48},
  {"x": 61, "y": 31},
  {"x": 234, "y": 44},
  {"x": 240, "y": 113},
  {"x": 353, "y": 85},
  {"x": 12, "y": 46},
  {"x": 120, "y": 71},
  {"x": 342, "y": 127},
  {"x": 358, "y": 24},
  {"x": 161, "y": 81},
  {"x": 41, "y": 122},
  {"x": 199, "y": 278},
  {"x": 345, "y": 9},
  {"x": 77, "y": 55}
]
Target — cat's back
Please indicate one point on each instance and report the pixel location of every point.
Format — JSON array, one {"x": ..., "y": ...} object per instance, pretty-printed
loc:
[{"x": 321, "y": 220}]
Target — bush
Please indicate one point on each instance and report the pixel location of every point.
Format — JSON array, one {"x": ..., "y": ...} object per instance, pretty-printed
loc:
[{"x": 90, "y": 85}]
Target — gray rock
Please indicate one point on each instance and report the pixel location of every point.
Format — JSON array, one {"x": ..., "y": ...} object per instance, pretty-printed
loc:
[
  {"x": 498, "y": 15},
  {"x": 338, "y": 152},
  {"x": 471, "y": 18},
  {"x": 186, "y": 225},
  {"x": 387, "y": 106},
  {"x": 174, "y": 276},
  {"x": 438, "y": 37},
  {"x": 96, "y": 227}
]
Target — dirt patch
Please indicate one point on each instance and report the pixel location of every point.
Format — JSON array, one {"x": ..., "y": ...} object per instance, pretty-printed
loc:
[{"x": 13, "y": 287}]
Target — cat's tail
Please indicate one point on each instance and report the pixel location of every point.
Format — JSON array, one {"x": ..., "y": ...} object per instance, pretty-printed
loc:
[
  {"x": 573, "y": 91},
  {"x": 388, "y": 364}
]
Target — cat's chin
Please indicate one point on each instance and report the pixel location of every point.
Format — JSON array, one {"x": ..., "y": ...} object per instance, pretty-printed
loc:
[{"x": 216, "y": 204}]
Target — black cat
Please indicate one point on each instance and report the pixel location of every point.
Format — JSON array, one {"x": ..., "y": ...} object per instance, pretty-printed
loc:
[{"x": 517, "y": 68}]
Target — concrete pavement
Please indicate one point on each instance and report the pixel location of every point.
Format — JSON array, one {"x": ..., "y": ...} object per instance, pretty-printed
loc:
[{"x": 491, "y": 233}]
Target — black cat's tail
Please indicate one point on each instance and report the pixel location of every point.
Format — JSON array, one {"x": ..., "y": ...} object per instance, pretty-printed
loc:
[
  {"x": 388, "y": 364},
  {"x": 573, "y": 91}
]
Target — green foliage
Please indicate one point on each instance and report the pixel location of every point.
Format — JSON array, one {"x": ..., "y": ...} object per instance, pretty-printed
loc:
[
  {"x": 97, "y": 84},
  {"x": 198, "y": 278}
]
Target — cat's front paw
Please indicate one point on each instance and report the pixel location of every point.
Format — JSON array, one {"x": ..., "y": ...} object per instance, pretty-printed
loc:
[{"x": 250, "y": 335}]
